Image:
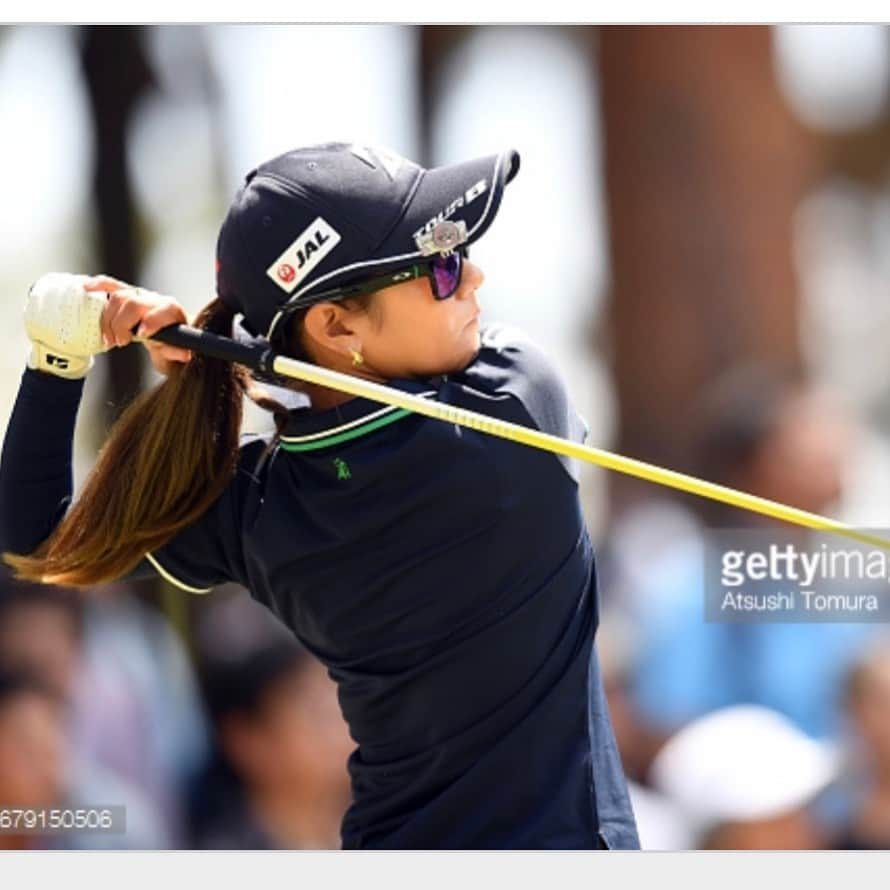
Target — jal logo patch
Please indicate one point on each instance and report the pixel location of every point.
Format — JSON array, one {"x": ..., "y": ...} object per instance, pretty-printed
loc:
[{"x": 303, "y": 254}]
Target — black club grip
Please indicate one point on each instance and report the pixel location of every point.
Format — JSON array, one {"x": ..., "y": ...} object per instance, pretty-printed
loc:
[{"x": 255, "y": 356}]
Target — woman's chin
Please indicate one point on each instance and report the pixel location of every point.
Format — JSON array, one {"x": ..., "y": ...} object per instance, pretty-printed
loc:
[{"x": 473, "y": 341}]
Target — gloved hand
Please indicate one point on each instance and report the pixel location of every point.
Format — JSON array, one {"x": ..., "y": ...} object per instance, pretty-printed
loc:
[{"x": 62, "y": 320}]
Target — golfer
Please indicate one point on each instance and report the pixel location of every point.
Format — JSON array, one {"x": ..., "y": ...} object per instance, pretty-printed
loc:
[{"x": 444, "y": 577}]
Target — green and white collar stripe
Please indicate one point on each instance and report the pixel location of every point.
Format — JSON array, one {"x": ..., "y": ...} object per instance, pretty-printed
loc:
[{"x": 347, "y": 431}]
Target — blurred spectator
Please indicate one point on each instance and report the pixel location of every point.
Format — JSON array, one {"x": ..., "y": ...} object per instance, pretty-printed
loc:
[
  {"x": 867, "y": 786},
  {"x": 136, "y": 708},
  {"x": 41, "y": 633},
  {"x": 766, "y": 432},
  {"x": 32, "y": 749},
  {"x": 765, "y": 429},
  {"x": 280, "y": 780},
  {"x": 744, "y": 777},
  {"x": 39, "y": 770}
]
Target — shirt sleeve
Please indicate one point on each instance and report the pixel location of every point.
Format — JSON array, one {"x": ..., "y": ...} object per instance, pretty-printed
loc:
[
  {"x": 35, "y": 467},
  {"x": 510, "y": 363},
  {"x": 210, "y": 551}
]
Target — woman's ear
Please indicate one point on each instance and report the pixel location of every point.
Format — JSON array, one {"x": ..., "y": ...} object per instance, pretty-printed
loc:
[{"x": 326, "y": 323}]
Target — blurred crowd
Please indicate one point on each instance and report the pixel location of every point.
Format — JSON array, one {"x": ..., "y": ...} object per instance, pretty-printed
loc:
[{"x": 237, "y": 743}]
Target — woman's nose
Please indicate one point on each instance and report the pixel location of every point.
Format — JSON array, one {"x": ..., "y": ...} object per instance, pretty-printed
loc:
[{"x": 472, "y": 277}]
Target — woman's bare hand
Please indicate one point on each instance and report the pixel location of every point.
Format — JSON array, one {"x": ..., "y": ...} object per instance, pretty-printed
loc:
[{"x": 130, "y": 307}]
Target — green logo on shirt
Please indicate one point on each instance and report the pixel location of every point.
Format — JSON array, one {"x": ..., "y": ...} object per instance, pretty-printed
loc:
[{"x": 342, "y": 469}]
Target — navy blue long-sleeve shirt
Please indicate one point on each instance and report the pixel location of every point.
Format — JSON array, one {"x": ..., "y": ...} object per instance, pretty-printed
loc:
[{"x": 444, "y": 576}]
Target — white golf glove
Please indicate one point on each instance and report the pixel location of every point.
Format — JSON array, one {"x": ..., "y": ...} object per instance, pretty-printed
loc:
[{"x": 62, "y": 322}]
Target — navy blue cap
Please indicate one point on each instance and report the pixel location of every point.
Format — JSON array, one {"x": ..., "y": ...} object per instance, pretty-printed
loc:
[{"x": 322, "y": 216}]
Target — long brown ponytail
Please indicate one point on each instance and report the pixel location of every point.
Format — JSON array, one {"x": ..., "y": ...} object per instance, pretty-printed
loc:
[{"x": 167, "y": 459}]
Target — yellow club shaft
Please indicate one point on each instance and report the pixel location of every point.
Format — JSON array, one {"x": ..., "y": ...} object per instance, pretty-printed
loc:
[{"x": 288, "y": 367}]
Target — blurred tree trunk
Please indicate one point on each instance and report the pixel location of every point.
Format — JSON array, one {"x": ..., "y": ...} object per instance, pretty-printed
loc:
[
  {"x": 437, "y": 42},
  {"x": 116, "y": 73},
  {"x": 704, "y": 168}
]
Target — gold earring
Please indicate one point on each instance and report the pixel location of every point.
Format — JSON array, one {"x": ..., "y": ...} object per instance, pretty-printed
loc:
[{"x": 357, "y": 357}]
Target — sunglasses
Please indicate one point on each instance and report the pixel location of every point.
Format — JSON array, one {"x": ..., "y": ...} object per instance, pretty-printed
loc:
[{"x": 443, "y": 271}]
